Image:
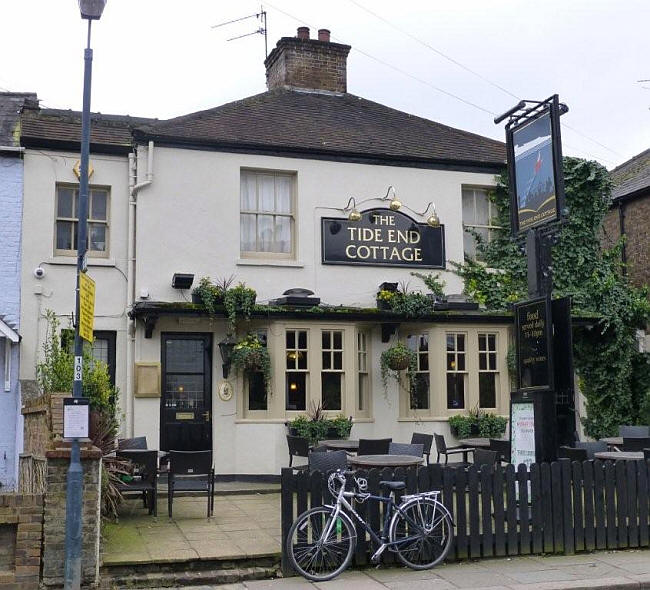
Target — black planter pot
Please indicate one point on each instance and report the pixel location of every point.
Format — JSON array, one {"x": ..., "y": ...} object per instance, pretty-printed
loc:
[
  {"x": 332, "y": 434},
  {"x": 381, "y": 304}
]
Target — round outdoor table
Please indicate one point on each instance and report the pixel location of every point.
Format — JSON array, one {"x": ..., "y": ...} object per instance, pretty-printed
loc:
[
  {"x": 619, "y": 455},
  {"x": 340, "y": 445},
  {"x": 385, "y": 461},
  {"x": 613, "y": 441}
]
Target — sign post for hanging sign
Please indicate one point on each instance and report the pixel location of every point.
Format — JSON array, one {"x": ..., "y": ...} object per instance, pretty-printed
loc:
[{"x": 86, "y": 306}]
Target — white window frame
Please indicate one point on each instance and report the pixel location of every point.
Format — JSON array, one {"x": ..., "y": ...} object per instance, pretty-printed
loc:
[
  {"x": 487, "y": 352},
  {"x": 492, "y": 213},
  {"x": 363, "y": 369},
  {"x": 106, "y": 222},
  {"x": 256, "y": 254}
]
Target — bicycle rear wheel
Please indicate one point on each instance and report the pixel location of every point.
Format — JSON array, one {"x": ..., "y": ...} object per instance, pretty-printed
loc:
[
  {"x": 422, "y": 533},
  {"x": 313, "y": 553}
]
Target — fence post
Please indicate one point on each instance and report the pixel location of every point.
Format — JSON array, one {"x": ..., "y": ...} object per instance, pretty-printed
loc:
[
  {"x": 286, "y": 515},
  {"x": 567, "y": 507}
]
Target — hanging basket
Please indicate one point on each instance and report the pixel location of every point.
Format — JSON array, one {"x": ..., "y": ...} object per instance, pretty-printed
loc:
[{"x": 398, "y": 364}]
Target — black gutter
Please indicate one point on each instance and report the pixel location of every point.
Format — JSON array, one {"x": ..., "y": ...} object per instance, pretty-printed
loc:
[{"x": 75, "y": 146}]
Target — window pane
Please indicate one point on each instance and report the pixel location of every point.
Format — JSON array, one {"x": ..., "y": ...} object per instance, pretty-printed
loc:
[
  {"x": 482, "y": 362},
  {"x": 460, "y": 341},
  {"x": 292, "y": 358},
  {"x": 256, "y": 391},
  {"x": 98, "y": 202},
  {"x": 455, "y": 391},
  {"x": 266, "y": 185},
  {"x": 487, "y": 393},
  {"x": 184, "y": 392},
  {"x": 331, "y": 391},
  {"x": 75, "y": 212},
  {"x": 296, "y": 395},
  {"x": 338, "y": 361},
  {"x": 363, "y": 390},
  {"x": 326, "y": 341},
  {"x": 423, "y": 359},
  {"x": 302, "y": 339},
  {"x": 283, "y": 194},
  {"x": 481, "y": 341},
  {"x": 97, "y": 237},
  {"x": 451, "y": 362},
  {"x": 460, "y": 362},
  {"x": 184, "y": 356},
  {"x": 493, "y": 361},
  {"x": 64, "y": 206},
  {"x": 282, "y": 235},
  {"x": 420, "y": 392},
  {"x": 338, "y": 340},
  {"x": 468, "y": 207},
  {"x": 64, "y": 235},
  {"x": 327, "y": 360},
  {"x": 469, "y": 245},
  {"x": 482, "y": 215},
  {"x": 492, "y": 342},
  {"x": 249, "y": 192},
  {"x": 302, "y": 360},
  {"x": 100, "y": 350},
  {"x": 265, "y": 233},
  {"x": 291, "y": 339},
  {"x": 248, "y": 233},
  {"x": 451, "y": 344}
]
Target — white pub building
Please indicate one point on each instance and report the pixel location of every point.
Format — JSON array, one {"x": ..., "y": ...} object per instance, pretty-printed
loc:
[{"x": 260, "y": 189}]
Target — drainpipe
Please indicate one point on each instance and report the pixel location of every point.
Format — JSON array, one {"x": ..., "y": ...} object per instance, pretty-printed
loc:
[{"x": 134, "y": 189}]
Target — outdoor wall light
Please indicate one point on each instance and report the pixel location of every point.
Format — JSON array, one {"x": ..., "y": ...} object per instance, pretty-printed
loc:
[
  {"x": 225, "y": 348},
  {"x": 182, "y": 280},
  {"x": 433, "y": 220},
  {"x": 354, "y": 215}
]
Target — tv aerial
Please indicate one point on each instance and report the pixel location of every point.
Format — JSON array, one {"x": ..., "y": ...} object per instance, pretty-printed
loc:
[{"x": 261, "y": 30}]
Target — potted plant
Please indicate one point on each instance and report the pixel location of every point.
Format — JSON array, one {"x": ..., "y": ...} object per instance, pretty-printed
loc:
[
  {"x": 249, "y": 355},
  {"x": 385, "y": 299},
  {"x": 478, "y": 423},
  {"x": 211, "y": 293},
  {"x": 395, "y": 359},
  {"x": 339, "y": 427},
  {"x": 239, "y": 301}
]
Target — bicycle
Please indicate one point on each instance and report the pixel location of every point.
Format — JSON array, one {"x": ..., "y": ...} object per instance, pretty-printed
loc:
[{"x": 322, "y": 540}]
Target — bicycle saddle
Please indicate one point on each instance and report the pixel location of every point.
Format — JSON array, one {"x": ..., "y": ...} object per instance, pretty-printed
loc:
[{"x": 392, "y": 485}]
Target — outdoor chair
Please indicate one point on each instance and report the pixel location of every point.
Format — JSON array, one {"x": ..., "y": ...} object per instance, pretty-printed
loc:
[
  {"x": 426, "y": 440},
  {"x": 139, "y": 442},
  {"x": 632, "y": 431},
  {"x": 443, "y": 449},
  {"x": 572, "y": 453},
  {"x": 646, "y": 454},
  {"x": 145, "y": 477},
  {"x": 329, "y": 461},
  {"x": 414, "y": 450},
  {"x": 502, "y": 448},
  {"x": 485, "y": 457},
  {"x": 298, "y": 447},
  {"x": 636, "y": 443},
  {"x": 374, "y": 446},
  {"x": 592, "y": 447},
  {"x": 190, "y": 471}
]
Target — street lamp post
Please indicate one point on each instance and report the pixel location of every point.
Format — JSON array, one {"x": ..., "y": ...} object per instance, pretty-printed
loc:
[{"x": 90, "y": 10}]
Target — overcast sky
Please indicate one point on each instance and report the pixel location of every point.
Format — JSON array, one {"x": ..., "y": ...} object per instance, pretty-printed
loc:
[{"x": 162, "y": 58}]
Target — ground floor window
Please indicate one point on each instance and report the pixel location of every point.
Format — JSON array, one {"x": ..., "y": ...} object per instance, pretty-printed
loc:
[
  {"x": 420, "y": 389},
  {"x": 487, "y": 370}
]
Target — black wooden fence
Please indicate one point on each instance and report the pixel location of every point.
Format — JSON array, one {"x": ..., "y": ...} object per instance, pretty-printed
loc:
[{"x": 560, "y": 507}]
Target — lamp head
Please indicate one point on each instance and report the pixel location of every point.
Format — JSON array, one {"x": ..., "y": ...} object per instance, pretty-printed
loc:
[
  {"x": 433, "y": 220},
  {"x": 91, "y": 9},
  {"x": 395, "y": 204},
  {"x": 354, "y": 215}
]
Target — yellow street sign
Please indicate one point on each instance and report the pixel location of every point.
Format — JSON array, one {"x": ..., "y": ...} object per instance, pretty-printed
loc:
[{"x": 86, "y": 306}]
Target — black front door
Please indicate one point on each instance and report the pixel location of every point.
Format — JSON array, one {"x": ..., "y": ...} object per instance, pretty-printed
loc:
[{"x": 186, "y": 403}]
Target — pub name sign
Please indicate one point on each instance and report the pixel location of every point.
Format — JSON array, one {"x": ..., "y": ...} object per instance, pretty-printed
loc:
[{"x": 382, "y": 237}]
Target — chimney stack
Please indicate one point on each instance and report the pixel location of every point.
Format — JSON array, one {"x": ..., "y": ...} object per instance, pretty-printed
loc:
[{"x": 308, "y": 64}]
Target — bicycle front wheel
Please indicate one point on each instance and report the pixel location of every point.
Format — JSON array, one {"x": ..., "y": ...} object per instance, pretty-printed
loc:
[
  {"x": 421, "y": 533},
  {"x": 319, "y": 546}
]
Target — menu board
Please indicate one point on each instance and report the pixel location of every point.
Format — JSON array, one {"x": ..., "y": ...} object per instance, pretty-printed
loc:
[
  {"x": 533, "y": 321},
  {"x": 522, "y": 433},
  {"x": 75, "y": 417}
]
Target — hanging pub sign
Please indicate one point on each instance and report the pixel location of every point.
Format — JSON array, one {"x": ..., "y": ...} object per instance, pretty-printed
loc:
[
  {"x": 535, "y": 165},
  {"x": 534, "y": 336},
  {"x": 382, "y": 237}
]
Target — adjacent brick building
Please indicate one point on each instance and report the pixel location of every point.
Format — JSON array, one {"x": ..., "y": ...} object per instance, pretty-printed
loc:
[{"x": 630, "y": 215}]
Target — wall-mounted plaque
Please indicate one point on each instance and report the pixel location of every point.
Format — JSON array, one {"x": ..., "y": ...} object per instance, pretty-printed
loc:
[
  {"x": 522, "y": 433},
  {"x": 382, "y": 238},
  {"x": 534, "y": 345},
  {"x": 75, "y": 417}
]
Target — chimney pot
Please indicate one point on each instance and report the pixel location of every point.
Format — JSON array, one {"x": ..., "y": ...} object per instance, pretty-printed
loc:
[
  {"x": 303, "y": 32},
  {"x": 324, "y": 35}
]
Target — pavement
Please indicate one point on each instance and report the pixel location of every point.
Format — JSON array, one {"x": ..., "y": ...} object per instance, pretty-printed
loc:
[{"x": 605, "y": 569}]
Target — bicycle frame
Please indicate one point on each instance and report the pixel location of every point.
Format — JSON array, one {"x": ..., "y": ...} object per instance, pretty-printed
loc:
[{"x": 391, "y": 508}]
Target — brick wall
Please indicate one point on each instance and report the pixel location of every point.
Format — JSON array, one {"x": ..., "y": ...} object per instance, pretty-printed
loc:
[
  {"x": 637, "y": 230},
  {"x": 21, "y": 530},
  {"x": 309, "y": 64},
  {"x": 58, "y": 461}
]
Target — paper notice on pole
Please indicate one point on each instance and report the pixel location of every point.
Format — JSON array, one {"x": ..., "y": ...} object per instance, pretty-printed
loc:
[
  {"x": 86, "y": 306},
  {"x": 522, "y": 442},
  {"x": 75, "y": 417}
]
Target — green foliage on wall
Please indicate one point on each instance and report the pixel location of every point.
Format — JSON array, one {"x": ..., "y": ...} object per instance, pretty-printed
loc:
[{"x": 614, "y": 377}]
